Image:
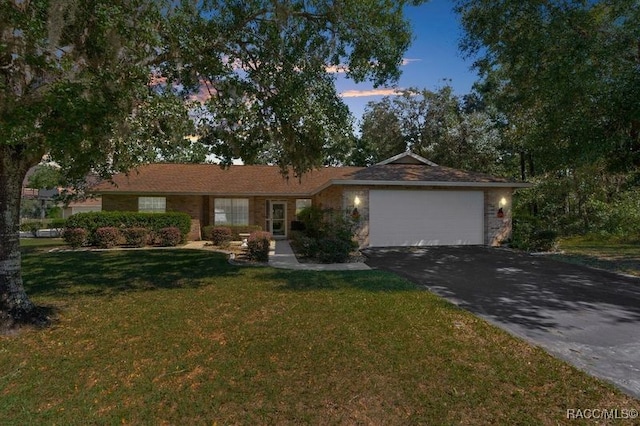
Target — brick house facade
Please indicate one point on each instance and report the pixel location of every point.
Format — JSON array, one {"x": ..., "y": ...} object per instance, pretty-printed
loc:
[{"x": 261, "y": 195}]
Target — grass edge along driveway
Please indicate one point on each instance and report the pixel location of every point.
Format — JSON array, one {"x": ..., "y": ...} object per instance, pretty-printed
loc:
[{"x": 180, "y": 336}]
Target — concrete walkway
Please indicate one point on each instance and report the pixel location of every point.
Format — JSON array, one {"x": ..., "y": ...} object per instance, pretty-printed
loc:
[{"x": 282, "y": 257}]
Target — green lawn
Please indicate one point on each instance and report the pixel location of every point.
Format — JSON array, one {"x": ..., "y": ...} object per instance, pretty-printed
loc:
[
  {"x": 601, "y": 252},
  {"x": 182, "y": 337}
]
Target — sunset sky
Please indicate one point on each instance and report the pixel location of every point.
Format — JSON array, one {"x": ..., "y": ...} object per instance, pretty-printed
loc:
[{"x": 432, "y": 59}]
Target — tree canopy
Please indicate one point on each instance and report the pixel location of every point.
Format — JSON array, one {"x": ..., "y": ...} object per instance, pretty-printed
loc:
[
  {"x": 452, "y": 131},
  {"x": 102, "y": 86},
  {"x": 565, "y": 74},
  {"x": 266, "y": 68}
]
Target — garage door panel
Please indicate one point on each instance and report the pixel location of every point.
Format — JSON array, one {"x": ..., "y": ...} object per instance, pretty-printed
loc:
[{"x": 406, "y": 218}]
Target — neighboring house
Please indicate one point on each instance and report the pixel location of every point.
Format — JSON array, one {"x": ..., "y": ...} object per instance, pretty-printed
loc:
[
  {"x": 405, "y": 200},
  {"x": 82, "y": 206}
]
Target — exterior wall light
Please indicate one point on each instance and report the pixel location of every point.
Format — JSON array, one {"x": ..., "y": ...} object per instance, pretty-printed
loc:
[{"x": 356, "y": 201}]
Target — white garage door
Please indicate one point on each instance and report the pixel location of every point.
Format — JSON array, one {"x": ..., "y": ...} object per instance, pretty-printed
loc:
[{"x": 418, "y": 218}]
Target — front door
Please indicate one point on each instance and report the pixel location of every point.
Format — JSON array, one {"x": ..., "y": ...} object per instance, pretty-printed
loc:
[{"x": 278, "y": 218}]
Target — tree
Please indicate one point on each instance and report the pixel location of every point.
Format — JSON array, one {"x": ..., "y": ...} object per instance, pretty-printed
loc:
[
  {"x": 269, "y": 97},
  {"x": 70, "y": 73},
  {"x": 44, "y": 176},
  {"x": 381, "y": 134},
  {"x": 98, "y": 86},
  {"x": 449, "y": 130},
  {"x": 564, "y": 73}
]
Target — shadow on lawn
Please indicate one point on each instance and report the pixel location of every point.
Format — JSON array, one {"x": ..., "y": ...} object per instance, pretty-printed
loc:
[
  {"x": 107, "y": 273},
  {"x": 373, "y": 281}
]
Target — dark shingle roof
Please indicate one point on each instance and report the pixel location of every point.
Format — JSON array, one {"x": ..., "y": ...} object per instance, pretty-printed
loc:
[{"x": 211, "y": 179}]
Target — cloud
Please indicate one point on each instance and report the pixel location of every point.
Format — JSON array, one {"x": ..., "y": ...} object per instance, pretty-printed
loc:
[
  {"x": 205, "y": 92},
  {"x": 371, "y": 92},
  {"x": 407, "y": 61},
  {"x": 341, "y": 69}
]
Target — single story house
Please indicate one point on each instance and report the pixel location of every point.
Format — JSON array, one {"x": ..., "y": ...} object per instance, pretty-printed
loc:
[
  {"x": 82, "y": 206},
  {"x": 405, "y": 200}
]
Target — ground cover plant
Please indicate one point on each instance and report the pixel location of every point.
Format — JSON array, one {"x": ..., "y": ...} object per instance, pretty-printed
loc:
[{"x": 180, "y": 336}]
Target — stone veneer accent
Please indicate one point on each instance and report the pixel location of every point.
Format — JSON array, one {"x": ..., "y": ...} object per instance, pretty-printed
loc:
[{"x": 496, "y": 229}]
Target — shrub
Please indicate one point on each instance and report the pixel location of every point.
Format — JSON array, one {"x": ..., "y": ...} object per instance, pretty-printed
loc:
[
  {"x": 529, "y": 234},
  {"x": 327, "y": 235},
  {"x": 544, "y": 240},
  {"x": 152, "y": 221},
  {"x": 312, "y": 219},
  {"x": 107, "y": 237},
  {"x": 258, "y": 246},
  {"x": 221, "y": 235},
  {"x": 168, "y": 237},
  {"x": 335, "y": 250},
  {"x": 136, "y": 236},
  {"x": 57, "y": 223},
  {"x": 75, "y": 237},
  {"x": 235, "y": 230},
  {"x": 304, "y": 245}
]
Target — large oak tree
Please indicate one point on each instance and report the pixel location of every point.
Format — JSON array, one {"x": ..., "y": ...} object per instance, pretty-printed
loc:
[{"x": 100, "y": 86}]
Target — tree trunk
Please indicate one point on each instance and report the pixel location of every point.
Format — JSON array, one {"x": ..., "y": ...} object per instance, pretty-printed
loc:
[{"x": 15, "y": 306}]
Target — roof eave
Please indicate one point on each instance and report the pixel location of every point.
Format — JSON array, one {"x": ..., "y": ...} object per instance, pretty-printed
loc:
[{"x": 428, "y": 183}]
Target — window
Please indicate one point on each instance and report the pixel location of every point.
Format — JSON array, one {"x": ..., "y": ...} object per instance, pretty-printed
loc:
[
  {"x": 152, "y": 204},
  {"x": 302, "y": 203},
  {"x": 231, "y": 211}
]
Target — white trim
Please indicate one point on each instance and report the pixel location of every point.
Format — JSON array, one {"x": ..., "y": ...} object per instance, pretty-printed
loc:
[
  {"x": 407, "y": 154},
  {"x": 270, "y": 219},
  {"x": 375, "y": 183}
]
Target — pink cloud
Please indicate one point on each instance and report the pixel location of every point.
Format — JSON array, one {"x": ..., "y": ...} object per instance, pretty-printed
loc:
[{"x": 367, "y": 93}]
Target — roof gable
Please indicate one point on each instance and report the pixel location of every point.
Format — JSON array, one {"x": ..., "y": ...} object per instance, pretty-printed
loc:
[{"x": 407, "y": 157}]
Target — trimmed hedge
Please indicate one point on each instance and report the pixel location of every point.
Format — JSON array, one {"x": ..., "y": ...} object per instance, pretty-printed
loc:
[
  {"x": 258, "y": 246},
  {"x": 236, "y": 230},
  {"x": 135, "y": 237},
  {"x": 167, "y": 237},
  {"x": 221, "y": 236},
  {"x": 107, "y": 237},
  {"x": 75, "y": 237},
  {"x": 154, "y": 222}
]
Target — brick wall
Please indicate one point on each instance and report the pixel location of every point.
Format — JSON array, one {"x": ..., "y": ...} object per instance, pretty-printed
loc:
[{"x": 190, "y": 204}]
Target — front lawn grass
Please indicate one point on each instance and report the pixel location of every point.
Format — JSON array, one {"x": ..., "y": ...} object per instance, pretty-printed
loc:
[
  {"x": 182, "y": 337},
  {"x": 608, "y": 253}
]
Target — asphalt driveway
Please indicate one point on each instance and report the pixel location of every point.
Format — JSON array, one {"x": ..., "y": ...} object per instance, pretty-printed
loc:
[{"x": 588, "y": 317}]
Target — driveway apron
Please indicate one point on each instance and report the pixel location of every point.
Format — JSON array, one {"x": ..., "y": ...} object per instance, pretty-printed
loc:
[{"x": 587, "y": 317}]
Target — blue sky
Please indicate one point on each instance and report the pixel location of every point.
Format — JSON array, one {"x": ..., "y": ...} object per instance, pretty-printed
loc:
[{"x": 430, "y": 62}]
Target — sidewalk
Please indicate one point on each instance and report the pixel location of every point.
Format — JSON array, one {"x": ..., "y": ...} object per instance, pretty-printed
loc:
[{"x": 283, "y": 258}]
